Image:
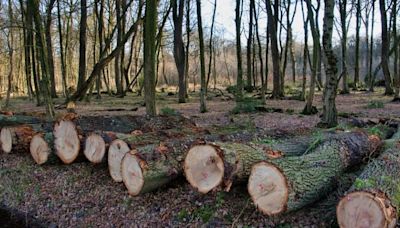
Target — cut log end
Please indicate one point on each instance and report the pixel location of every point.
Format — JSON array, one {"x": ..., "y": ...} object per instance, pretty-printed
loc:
[
  {"x": 66, "y": 143},
  {"x": 39, "y": 149},
  {"x": 95, "y": 148},
  {"x": 204, "y": 168},
  {"x": 116, "y": 153},
  {"x": 6, "y": 140},
  {"x": 132, "y": 174},
  {"x": 268, "y": 188},
  {"x": 363, "y": 209}
]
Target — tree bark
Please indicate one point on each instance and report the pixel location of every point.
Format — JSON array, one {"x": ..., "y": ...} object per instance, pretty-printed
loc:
[
  {"x": 82, "y": 45},
  {"x": 49, "y": 47},
  {"x": 343, "y": 25},
  {"x": 219, "y": 164},
  {"x": 239, "y": 79},
  {"x": 179, "y": 48},
  {"x": 385, "y": 49},
  {"x": 378, "y": 186},
  {"x": 357, "y": 60},
  {"x": 203, "y": 85},
  {"x": 283, "y": 185},
  {"x": 249, "y": 46},
  {"x": 150, "y": 30},
  {"x": 308, "y": 109},
  {"x": 277, "y": 91},
  {"x": 329, "y": 115}
]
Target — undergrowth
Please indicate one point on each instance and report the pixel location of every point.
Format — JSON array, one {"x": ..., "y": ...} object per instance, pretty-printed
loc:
[{"x": 375, "y": 105}]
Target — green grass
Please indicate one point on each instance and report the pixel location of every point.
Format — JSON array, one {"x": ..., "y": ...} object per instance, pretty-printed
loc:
[
  {"x": 167, "y": 111},
  {"x": 248, "y": 105},
  {"x": 375, "y": 105}
]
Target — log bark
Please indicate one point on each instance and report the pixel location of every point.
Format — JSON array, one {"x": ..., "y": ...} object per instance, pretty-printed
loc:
[
  {"x": 287, "y": 184},
  {"x": 217, "y": 164},
  {"x": 378, "y": 186},
  {"x": 121, "y": 124},
  {"x": 16, "y": 138},
  {"x": 147, "y": 168}
]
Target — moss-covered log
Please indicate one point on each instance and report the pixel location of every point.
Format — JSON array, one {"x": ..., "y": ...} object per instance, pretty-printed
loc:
[
  {"x": 374, "y": 198},
  {"x": 121, "y": 123},
  {"x": 290, "y": 183},
  {"x": 221, "y": 163},
  {"x": 149, "y": 167}
]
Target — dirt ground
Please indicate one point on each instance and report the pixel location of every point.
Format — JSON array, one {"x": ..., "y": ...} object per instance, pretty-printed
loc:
[{"x": 83, "y": 194}]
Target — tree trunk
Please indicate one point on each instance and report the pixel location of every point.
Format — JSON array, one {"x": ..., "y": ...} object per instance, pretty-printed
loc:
[
  {"x": 385, "y": 49},
  {"x": 249, "y": 46},
  {"x": 49, "y": 47},
  {"x": 263, "y": 84},
  {"x": 203, "y": 85},
  {"x": 357, "y": 63},
  {"x": 150, "y": 30},
  {"x": 179, "y": 48},
  {"x": 28, "y": 66},
  {"x": 329, "y": 115},
  {"x": 277, "y": 91},
  {"x": 305, "y": 55},
  {"x": 62, "y": 52},
  {"x": 82, "y": 46},
  {"x": 378, "y": 186},
  {"x": 308, "y": 109},
  {"x": 287, "y": 184},
  {"x": 16, "y": 139},
  {"x": 148, "y": 168},
  {"x": 371, "y": 51},
  {"x": 44, "y": 82},
  {"x": 343, "y": 25},
  {"x": 239, "y": 79},
  {"x": 217, "y": 164}
]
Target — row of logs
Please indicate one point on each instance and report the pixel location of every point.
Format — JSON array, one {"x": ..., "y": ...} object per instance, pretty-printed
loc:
[{"x": 282, "y": 176}]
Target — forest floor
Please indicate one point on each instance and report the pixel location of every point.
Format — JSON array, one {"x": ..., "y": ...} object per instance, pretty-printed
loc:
[{"x": 83, "y": 194}]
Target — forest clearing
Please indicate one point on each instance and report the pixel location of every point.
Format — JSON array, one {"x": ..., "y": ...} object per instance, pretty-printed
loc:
[
  {"x": 84, "y": 193},
  {"x": 190, "y": 113}
]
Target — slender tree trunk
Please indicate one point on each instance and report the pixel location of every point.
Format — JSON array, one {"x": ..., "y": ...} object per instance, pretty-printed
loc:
[
  {"x": 62, "y": 53},
  {"x": 239, "y": 80},
  {"x": 308, "y": 109},
  {"x": 150, "y": 30},
  {"x": 343, "y": 24},
  {"x": 28, "y": 67},
  {"x": 385, "y": 49},
  {"x": 202, "y": 59},
  {"x": 10, "y": 44},
  {"x": 179, "y": 48},
  {"x": 371, "y": 51},
  {"x": 396, "y": 75},
  {"x": 49, "y": 47},
  {"x": 277, "y": 91},
  {"x": 260, "y": 54},
  {"x": 188, "y": 31},
  {"x": 82, "y": 45},
  {"x": 329, "y": 115},
  {"x": 249, "y": 46},
  {"x": 305, "y": 54},
  {"x": 211, "y": 49},
  {"x": 44, "y": 83},
  {"x": 357, "y": 63}
]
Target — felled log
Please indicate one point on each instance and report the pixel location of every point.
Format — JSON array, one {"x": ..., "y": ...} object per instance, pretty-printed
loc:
[
  {"x": 16, "y": 138},
  {"x": 217, "y": 164},
  {"x": 287, "y": 184},
  {"x": 147, "y": 168},
  {"x": 122, "y": 123},
  {"x": 116, "y": 153},
  {"x": 374, "y": 198}
]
